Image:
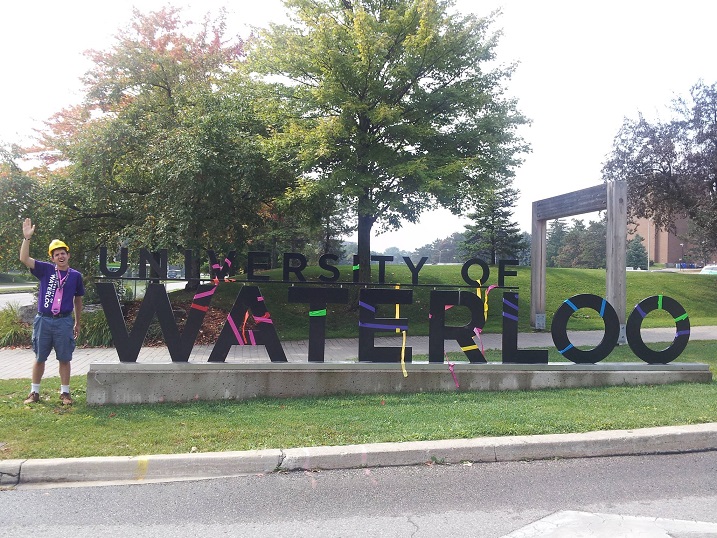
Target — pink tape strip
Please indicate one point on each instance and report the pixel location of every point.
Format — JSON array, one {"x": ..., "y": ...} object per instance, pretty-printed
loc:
[
  {"x": 236, "y": 331},
  {"x": 205, "y": 293},
  {"x": 451, "y": 367},
  {"x": 478, "y": 331}
]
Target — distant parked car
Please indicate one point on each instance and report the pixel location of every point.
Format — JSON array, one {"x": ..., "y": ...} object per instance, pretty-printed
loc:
[{"x": 709, "y": 270}]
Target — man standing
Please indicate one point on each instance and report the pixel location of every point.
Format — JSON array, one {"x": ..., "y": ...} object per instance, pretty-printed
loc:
[{"x": 61, "y": 291}]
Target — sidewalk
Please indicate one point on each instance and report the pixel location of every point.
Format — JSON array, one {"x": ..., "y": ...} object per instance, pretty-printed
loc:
[{"x": 17, "y": 363}]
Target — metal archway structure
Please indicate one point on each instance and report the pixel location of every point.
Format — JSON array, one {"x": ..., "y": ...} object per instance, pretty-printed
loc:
[{"x": 611, "y": 197}]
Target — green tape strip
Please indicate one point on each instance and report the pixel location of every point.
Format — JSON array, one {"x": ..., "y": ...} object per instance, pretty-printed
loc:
[
  {"x": 317, "y": 313},
  {"x": 356, "y": 267},
  {"x": 659, "y": 302},
  {"x": 683, "y": 316}
]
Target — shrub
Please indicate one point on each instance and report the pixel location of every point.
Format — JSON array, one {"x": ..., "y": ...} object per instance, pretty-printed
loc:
[
  {"x": 13, "y": 332},
  {"x": 123, "y": 291},
  {"x": 95, "y": 332}
]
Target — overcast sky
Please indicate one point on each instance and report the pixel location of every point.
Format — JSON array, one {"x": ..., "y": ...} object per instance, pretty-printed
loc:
[{"x": 583, "y": 67}]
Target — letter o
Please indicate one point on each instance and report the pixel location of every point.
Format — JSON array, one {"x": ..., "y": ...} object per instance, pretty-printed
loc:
[
  {"x": 484, "y": 277},
  {"x": 634, "y": 324},
  {"x": 559, "y": 326}
]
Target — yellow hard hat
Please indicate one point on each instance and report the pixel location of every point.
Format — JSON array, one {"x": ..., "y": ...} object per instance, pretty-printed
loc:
[{"x": 55, "y": 244}]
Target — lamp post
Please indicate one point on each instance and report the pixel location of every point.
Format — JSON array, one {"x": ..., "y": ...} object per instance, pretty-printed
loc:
[{"x": 648, "y": 244}]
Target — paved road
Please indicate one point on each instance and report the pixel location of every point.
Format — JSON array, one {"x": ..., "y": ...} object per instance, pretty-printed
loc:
[
  {"x": 17, "y": 299},
  {"x": 638, "y": 497}
]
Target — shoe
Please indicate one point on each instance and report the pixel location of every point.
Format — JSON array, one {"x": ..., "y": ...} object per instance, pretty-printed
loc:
[
  {"x": 65, "y": 398},
  {"x": 33, "y": 397}
]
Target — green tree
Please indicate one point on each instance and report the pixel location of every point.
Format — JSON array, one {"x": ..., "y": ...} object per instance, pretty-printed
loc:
[
  {"x": 397, "y": 254},
  {"x": 595, "y": 245},
  {"x": 300, "y": 222},
  {"x": 557, "y": 230},
  {"x": 395, "y": 106},
  {"x": 524, "y": 253},
  {"x": 18, "y": 192},
  {"x": 163, "y": 153},
  {"x": 445, "y": 250},
  {"x": 493, "y": 235},
  {"x": 571, "y": 250},
  {"x": 636, "y": 255},
  {"x": 669, "y": 166},
  {"x": 348, "y": 249},
  {"x": 583, "y": 246}
]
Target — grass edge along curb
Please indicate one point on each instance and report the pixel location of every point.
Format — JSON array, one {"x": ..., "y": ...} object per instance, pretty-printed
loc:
[{"x": 132, "y": 430}]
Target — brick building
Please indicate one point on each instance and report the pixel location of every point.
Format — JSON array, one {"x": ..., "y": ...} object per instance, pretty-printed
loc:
[{"x": 666, "y": 247}]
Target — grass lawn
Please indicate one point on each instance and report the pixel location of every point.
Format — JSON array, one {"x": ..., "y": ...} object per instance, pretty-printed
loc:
[{"x": 33, "y": 431}]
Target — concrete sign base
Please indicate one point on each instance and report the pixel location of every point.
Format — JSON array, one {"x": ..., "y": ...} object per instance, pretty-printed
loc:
[{"x": 134, "y": 383}]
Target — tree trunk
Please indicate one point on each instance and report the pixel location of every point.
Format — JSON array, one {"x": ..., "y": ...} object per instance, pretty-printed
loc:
[
  {"x": 365, "y": 223},
  {"x": 194, "y": 271}
]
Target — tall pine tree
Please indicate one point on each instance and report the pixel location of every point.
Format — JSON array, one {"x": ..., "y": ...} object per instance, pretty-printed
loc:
[
  {"x": 636, "y": 256},
  {"x": 557, "y": 230},
  {"x": 493, "y": 235}
]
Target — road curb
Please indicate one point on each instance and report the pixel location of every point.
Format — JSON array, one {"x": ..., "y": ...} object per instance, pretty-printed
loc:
[
  {"x": 658, "y": 440},
  {"x": 172, "y": 467},
  {"x": 154, "y": 468}
]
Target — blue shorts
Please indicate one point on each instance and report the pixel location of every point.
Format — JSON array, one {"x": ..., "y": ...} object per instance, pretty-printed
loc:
[{"x": 57, "y": 333}]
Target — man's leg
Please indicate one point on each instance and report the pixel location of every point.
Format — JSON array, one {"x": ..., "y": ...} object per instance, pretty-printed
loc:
[
  {"x": 41, "y": 345},
  {"x": 65, "y": 398},
  {"x": 38, "y": 370},
  {"x": 64, "y": 347},
  {"x": 65, "y": 367}
]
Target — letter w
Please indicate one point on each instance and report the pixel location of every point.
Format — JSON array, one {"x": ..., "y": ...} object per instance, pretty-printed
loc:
[{"x": 156, "y": 301}]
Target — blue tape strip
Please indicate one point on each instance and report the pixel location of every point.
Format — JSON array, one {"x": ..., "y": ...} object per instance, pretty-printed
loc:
[
  {"x": 387, "y": 327},
  {"x": 602, "y": 308},
  {"x": 571, "y": 305},
  {"x": 367, "y": 306},
  {"x": 512, "y": 305},
  {"x": 682, "y": 333},
  {"x": 641, "y": 311},
  {"x": 562, "y": 351},
  {"x": 510, "y": 316}
]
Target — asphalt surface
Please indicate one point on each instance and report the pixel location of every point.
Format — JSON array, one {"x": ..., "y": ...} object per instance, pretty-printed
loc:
[{"x": 16, "y": 363}]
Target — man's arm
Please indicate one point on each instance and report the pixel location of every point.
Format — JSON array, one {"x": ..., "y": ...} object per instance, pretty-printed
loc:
[
  {"x": 78, "y": 313},
  {"x": 28, "y": 228}
]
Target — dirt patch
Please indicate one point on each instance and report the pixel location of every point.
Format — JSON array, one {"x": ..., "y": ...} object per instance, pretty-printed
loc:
[{"x": 214, "y": 320}]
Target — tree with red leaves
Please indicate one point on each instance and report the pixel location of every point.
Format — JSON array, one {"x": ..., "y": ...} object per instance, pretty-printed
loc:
[{"x": 163, "y": 152}]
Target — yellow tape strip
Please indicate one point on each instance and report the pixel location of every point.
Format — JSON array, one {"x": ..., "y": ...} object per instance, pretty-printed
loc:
[
  {"x": 403, "y": 356},
  {"x": 469, "y": 348},
  {"x": 142, "y": 467},
  {"x": 398, "y": 311}
]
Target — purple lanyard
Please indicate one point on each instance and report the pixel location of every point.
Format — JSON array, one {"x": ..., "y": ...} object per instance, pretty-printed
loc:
[
  {"x": 60, "y": 280},
  {"x": 57, "y": 300}
]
